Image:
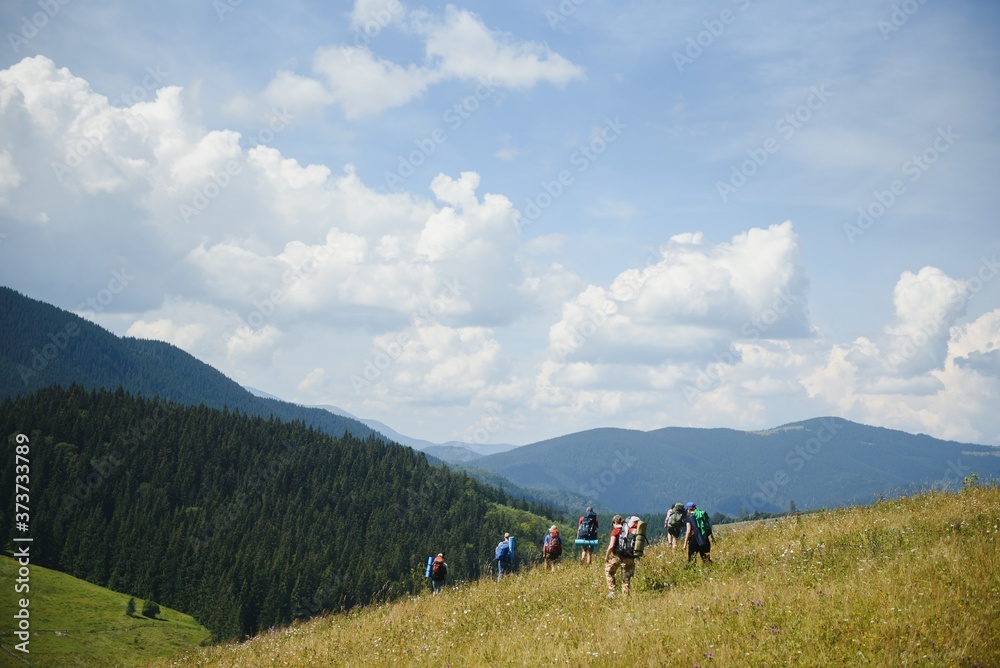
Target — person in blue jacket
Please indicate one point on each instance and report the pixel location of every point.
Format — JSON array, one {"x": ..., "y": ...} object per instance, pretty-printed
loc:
[{"x": 504, "y": 556}]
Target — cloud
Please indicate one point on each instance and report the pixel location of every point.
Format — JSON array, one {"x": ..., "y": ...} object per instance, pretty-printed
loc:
[
  {"x": 364, "y": 86},
  {"x": 371, "y": 16},
  {"x": 927, "y": 304},
  {"x": 464, "y": 48},
  {"x": 457, "y": 47},
  {"x": 691, "y": 299}
]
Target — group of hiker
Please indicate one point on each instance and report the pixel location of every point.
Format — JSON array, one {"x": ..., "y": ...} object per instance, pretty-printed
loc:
[{"x": 627, "y": 543}]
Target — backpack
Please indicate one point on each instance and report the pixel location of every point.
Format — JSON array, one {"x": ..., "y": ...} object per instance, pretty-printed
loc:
[
  {"x": 553, "y": 547},
  {"x": 632, "y": 539},
  {"x": 675, "y": 518},
  {"x": 438, "y": 570},
  {"x": 503, "y": 551},
  {"x": 704, "y": 524},
  {"x": 588, "y": 527}
]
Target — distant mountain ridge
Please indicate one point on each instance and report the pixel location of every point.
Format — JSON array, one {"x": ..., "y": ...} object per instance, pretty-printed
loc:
[{"x": 821, "y": 462}]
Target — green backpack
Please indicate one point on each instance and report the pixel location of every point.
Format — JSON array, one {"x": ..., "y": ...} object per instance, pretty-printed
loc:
[{"x": 704, "y": 524}]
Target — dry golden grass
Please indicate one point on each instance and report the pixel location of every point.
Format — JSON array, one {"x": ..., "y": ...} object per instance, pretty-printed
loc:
[{"x": 911, "y": 582}]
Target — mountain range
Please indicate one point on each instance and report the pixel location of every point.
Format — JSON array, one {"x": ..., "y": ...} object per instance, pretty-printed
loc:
[{"x": 813, "y": 463}]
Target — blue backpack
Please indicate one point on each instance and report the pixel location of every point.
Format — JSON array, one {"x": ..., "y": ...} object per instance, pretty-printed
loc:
[{"x": 503, "y": 551}]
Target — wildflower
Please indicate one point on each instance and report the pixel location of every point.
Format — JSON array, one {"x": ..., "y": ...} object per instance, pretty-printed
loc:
[{"x": 774, "y": 629}]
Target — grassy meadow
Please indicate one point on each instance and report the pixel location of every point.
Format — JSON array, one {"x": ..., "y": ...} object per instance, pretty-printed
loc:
[
  {"x": 909, "y": 582},
  {"x": 75, "y": 623}
]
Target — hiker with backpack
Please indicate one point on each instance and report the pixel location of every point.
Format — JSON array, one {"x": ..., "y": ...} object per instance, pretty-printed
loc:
[
  {"x": 586, "y": 530},
  {"x": 439, "y": 573},
  {"x": 551, "y": 548},
  {"x": 674, "y": 523},
  {"x": 504, "y": 556},
  {"x": 618, "y": 558},
  {"x": 698, "y": 536}
]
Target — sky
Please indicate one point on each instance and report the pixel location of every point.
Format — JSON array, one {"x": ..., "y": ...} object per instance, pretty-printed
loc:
[{"x": 505, "y": 222}]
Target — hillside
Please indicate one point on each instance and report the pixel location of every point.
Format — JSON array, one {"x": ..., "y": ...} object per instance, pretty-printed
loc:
[
  {"x": 242, "y": 522},
  {"x": 816, "y": 463},
  {"x": 41, "y": 345},
  {"x": 913, "y": 581},
  {"x": 75, "y": 624}
]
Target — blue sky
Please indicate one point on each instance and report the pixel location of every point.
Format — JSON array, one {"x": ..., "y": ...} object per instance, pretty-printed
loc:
[{"x": 502, "y": 223}]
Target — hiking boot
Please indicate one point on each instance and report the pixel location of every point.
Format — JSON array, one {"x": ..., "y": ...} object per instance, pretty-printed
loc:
[{"x": 611, "y": 594}]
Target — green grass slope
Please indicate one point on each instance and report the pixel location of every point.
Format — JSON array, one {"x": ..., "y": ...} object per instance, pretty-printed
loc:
[
  {"x": 913, "y": 581},
  {"x": 76, "y": 623}
]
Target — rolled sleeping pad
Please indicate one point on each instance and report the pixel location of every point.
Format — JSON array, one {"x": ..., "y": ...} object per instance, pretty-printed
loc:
[
  {"x": 585, "y": 541},
  {"x": 511, "y": 542},
  {"x": 640, "y": 538},
  {"x": 430, "y": 563}
]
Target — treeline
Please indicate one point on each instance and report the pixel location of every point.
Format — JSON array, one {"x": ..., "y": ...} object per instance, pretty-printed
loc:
[{"x": 243, "y": 522}]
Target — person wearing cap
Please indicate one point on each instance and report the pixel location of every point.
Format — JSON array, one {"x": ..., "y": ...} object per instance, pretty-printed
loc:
[
  {"x": 551, "y": 548},
  {"x": 694, "y": 540},
  {"x": 614, "y": 562}
]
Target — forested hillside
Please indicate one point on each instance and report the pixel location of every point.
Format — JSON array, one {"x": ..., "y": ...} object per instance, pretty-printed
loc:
[
  {"x": 41, "y": 345},
  {"x": 243, "y": 522}
]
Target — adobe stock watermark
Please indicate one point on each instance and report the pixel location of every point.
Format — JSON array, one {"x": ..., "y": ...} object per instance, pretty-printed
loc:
[
  {"x": 581, "y": 158},
  {"x": 208, "y": 192},
  {"x": 595, "y": 318},
  {"x": 30, "y": 26},
  {"x": 453, "y": 118},
  {"x": 786, "y": 127},
  {"x": 563, "y": 11},
  {"x": 372, "y": 27},
  {"x": 768, "y": 491},
  {"x": 610, "y": 475},
  {"x": 278, "y": 121},
  {"x": 754, "y": 328},
  {"x": 900, "y": 15},
  {"x": 914, "y": 167},
  {"x": 714, "y": 29},
  {"x": 953, "y": 478},
  {"x": 253, "y": 486},
  {"x": 224, "y": 7},
  {"x": 486, "y": 426},
  {"x": 915, "y": 341},
  {"x": 391, "y": 352},
  {"x": 78, "y": 150},
  {"x": 102, "y": 469},
  {"x": 264, "y": 309},
  {"x": 59, "y": 341}
]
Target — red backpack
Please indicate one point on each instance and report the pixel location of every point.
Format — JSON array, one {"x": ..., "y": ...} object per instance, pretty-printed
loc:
[
  {"x": 554, "y": 547},
  {"x": 438, "y": 571}
]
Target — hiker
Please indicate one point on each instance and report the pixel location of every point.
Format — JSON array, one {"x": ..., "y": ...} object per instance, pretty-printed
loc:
[
  {"x": 698, "y": 537},
  {"x": 586, "y": 529},
  {"x": 439, "y": 573},
  {"x": 613, "y": 562},
  {"x": 674, "y": 523},
  {"x": 551, "y": 548},
  {"x": 503, "y": 556}
]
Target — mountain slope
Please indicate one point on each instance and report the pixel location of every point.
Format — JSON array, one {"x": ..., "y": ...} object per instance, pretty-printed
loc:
[
  {"x": 907, "y": 582},
  {"x": 242, "y": 522},
  {"x": 41, "y": 345},
  {"x": 816, "y": 463},
  {"x": 75, "y": 623}
]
